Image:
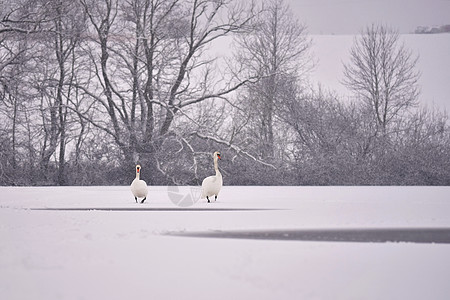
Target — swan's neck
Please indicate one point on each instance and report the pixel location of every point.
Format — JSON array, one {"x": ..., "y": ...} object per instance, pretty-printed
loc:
[
  {"x": 137, "y": 175},
  {"x": 216, "y": 167}
]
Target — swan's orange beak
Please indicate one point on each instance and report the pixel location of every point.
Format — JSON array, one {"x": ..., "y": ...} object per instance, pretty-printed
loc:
[
  {"x": 218, "y": 156},
  {"x": 138, "y": 170}
]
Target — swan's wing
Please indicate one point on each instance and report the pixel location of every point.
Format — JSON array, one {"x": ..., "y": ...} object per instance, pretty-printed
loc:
[
  {"x": 206, "y": 185},
  {"x": 139, "y": 188},
  {"x": 144, "y": 187},
  {"x": 209, "y": 179}
]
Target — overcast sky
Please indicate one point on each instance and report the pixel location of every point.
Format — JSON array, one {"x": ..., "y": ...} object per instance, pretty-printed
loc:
[{"x": 350, "y": 16}]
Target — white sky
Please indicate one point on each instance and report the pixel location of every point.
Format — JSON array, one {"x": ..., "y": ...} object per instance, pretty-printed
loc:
[{"x": 350, "y": 16}]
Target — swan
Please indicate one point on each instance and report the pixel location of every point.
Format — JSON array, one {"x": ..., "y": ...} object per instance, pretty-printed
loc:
[
  {"x": 211, "y": 185},
  {"x": 139, "y": 187}
]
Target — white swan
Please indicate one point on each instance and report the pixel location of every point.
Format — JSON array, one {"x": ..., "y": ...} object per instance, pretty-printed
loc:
[
  {"x": 139, "y": 187},
  {"x": 211, "y": 185}
]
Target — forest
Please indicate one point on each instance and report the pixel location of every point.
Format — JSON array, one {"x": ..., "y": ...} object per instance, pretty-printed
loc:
[{"x": 89, "y": 88}]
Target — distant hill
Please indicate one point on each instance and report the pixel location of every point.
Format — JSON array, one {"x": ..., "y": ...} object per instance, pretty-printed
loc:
[{"x": 432, "y": 29}]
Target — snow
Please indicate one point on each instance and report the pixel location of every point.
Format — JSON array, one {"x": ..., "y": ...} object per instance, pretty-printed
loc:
[
  {"x": 343, "y": 17},
  {"x": 113, "y": 248},
  {"x": 332, "y": 51}
]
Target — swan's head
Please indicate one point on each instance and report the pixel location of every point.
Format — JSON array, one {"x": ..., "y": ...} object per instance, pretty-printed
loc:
[
  {"x": 138, "y": 169},
  {"x": 217, "y": 154}
]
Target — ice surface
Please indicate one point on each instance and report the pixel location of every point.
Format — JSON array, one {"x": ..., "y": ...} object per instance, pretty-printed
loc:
[{"x": 97, "y": 243}]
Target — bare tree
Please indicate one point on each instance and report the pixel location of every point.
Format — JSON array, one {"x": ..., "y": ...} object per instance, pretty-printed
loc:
[
  {"x": 151, "y": 66},
  {"x": 92, "y": 84},
  {"x": 276, "y": 52},
  {"x": 382, "y": 73},
  {"x": 68, "y": 25},
  {"x": 18, "y": 53},
  {"x": 25, "y": 16}
]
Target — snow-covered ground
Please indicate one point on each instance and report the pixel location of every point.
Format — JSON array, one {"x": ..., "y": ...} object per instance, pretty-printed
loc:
[
  {"x": 332, "y": 51},
  {"x": 96, "y": 243}
]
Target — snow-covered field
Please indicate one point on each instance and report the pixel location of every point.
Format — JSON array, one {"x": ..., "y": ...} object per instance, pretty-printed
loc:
[
  {"x": 96, "y": 243},
  {"x": 332, "y": 51}
]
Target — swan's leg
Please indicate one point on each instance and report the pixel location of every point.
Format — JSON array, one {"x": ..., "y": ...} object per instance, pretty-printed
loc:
[
  {"x": 207, "y": 198},
  {"x": 135, "y": 198},
  {"x": 143, "y": 199},
  {"x": 215, "y": 199}
]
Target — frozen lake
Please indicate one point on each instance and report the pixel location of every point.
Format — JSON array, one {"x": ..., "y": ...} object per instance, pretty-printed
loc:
[{"x": 253, "y": 243}]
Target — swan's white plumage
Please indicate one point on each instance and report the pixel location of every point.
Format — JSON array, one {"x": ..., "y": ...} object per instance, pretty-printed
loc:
[
  {"x": 211, "y": 185},
  {"x": 138, "y": 186}
]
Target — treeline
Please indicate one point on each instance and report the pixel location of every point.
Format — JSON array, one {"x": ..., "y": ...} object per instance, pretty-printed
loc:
[{"x": 90, "y": 88}]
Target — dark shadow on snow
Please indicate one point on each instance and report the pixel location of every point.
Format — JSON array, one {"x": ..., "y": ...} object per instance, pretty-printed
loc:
[
  {"x": 142, "y": 209},
  {"x": 361, "y": 235}
]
